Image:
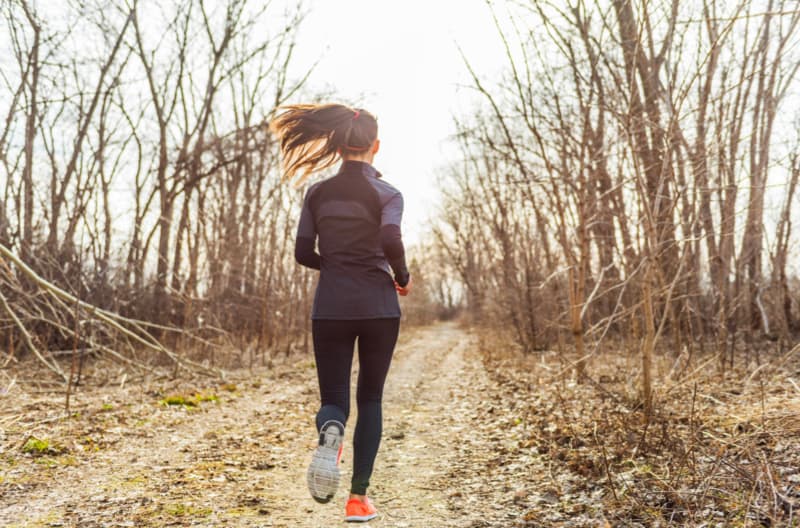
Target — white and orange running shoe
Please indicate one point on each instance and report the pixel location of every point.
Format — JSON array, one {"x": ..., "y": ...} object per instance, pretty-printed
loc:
[
  {"x": 358, "y": 511},
  {"x": 323, "y": 472}
]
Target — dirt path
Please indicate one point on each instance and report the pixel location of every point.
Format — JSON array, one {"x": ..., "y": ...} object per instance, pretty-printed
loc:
[{"x": 127, "y": 460}]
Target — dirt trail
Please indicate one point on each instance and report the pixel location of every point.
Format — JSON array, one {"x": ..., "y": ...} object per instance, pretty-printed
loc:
[{"x": 241, "y": 460}]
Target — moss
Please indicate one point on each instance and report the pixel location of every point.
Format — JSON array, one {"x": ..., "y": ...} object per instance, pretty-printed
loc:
[
  {"x": 65, "y": 460},
  {"x": 210, "y": 465},
  {"x": 177, "y": 399},
  {"x": 188, "y": 402},
  {"x": 38, "y": 446},
  {"x": 135, "y": 482},
  {"x": 305, "y": 365},
  {"x": 89, "y": 443},
  {"x": 117, "y": 483},
  {"x": 206, "y": 397},
  {"x": 184, "y": 510},
  {"x": 107, "y": 407},
  {"x": 46, "y": 462}
]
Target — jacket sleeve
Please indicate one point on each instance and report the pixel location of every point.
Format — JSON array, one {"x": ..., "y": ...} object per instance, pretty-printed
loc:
[
  {"x": 304, "y": 251},
  {"x": 392, "y": 239}
]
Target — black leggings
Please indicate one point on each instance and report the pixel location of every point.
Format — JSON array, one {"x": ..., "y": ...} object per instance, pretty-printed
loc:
[{"x": 333, "y": 349}]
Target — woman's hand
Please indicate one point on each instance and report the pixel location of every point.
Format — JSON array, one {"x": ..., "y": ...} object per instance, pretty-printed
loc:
[{"x": 403, "y": 290}]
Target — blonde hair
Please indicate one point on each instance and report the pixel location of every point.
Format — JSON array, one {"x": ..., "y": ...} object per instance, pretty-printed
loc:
[{"x": 311, "y": 136}]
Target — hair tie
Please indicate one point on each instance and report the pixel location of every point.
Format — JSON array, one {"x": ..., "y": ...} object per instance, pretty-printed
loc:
[
  {"x": 357, "y": 113},
  {"x": 357, "y": 149}
]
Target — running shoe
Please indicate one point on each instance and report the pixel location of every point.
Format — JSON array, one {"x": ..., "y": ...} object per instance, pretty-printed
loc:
[
  {"x": 323, "y": 472},
  {"x": 357, "y": 511}
]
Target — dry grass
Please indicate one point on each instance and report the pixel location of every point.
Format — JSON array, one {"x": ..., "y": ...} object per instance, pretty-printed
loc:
[{"x": 721, "y": 450}]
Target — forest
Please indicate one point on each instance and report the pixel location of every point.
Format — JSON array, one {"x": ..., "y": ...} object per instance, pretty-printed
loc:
[{"x": 606, "y": 294}]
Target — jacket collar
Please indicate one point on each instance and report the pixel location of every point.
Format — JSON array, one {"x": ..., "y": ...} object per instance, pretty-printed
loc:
[{"x": 359, "y": 167}]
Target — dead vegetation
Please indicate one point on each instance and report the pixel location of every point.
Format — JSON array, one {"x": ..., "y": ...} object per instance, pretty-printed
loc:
[
  {"x": 621, "y": 218},
  {"x": 632, "y": 175},
  {"x": 721, "y": 450},
  {"x": 142, "y": 212},
  {"x": 485, "y": 436}
]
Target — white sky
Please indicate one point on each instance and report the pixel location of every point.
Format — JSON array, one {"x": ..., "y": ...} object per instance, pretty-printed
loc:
[{"x": 400, "y": 60}]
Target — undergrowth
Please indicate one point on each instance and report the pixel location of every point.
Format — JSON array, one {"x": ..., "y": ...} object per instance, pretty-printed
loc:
[{"x": 718, "y": 450}]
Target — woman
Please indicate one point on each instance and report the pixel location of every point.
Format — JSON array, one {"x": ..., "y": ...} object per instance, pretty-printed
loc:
[{"x": 355, "y": 218}]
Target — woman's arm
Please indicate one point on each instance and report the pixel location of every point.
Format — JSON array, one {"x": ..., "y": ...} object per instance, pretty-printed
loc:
[
  {"x": 393, "y": 249},
  {"x": 304, "y": 252},
  {"x": 392, "y": 239}
]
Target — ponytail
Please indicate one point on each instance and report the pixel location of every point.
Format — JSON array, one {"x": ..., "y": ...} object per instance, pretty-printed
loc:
[{"x": 312, "y": 135}]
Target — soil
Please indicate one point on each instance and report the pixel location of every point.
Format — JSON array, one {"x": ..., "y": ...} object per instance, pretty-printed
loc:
[
  {"x": 126, "y": 458},
  {"x": 476, "y": 435}
]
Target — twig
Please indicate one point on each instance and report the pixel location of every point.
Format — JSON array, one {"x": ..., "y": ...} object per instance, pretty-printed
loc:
[
  {"x": 112, "y": 319},
  {"x": 72, "y": 366},
  {"x": 28, "y": 339},
  {"x": 605, "y": 464}
]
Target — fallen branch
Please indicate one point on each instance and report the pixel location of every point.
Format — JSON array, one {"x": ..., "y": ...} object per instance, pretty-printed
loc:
[
  {"x": 28, "y": 338},
  {"x": 111, "y": 319}
]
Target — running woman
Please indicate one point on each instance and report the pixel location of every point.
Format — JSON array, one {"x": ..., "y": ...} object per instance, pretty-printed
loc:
[{"x": 354, "y": 218}]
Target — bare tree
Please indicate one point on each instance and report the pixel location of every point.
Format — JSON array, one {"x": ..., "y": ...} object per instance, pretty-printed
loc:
[
  {"x": 144, "y": 181},
  {"x": 619, "y": 137}
]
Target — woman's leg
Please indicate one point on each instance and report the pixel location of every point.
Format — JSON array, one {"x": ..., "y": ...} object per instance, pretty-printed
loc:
[
  {"x": 333, "y": 351},
  {"x": 376, "y": 341}
]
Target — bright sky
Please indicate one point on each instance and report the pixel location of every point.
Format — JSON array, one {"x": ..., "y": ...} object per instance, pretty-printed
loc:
[{"x": 400, "y": 60}]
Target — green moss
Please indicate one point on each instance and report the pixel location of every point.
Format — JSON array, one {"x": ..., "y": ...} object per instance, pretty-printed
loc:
[
  {"x": 90, "y": 443},
  {"x": 107, "y": 407},
  {"x": 184, "y": 510},
  {"x": 177, "y": 399},
  {"x": 187, "y": 401},
  {"x": 210, "y": 465},
  {"x": 46, "y": 462},
  {"x": 305, "y": 365},
  {"x": 241, "y": 511},
  {"x": 65, "y": 460},
  {"x": 38, "y": 446},
  {"x": 135, "y": 482}
]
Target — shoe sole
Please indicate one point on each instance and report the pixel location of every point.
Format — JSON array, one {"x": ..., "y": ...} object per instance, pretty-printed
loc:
[
  {"x": 323, "y": 472},
  {"x": 360, "y": 518}
]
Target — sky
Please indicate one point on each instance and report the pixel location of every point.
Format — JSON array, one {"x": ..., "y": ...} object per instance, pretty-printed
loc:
[{"x": 400, "y": 61}]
